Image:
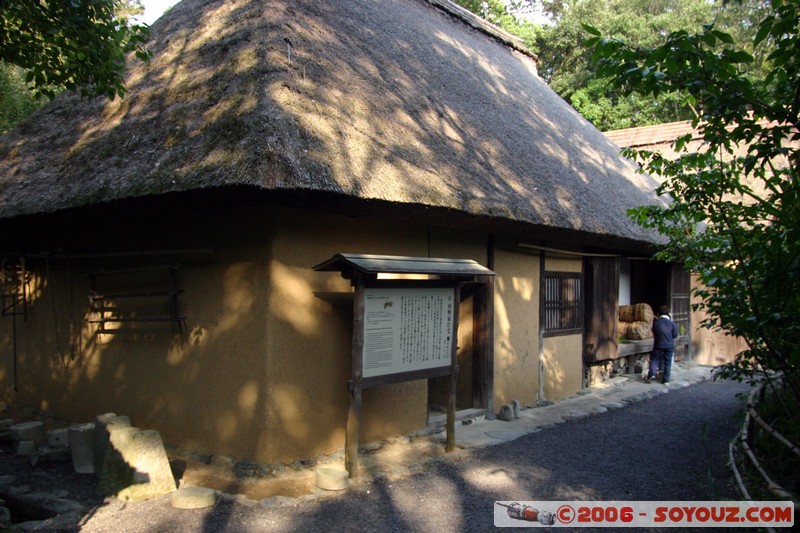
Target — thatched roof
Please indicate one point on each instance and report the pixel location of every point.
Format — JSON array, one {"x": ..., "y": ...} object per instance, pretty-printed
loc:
[{"x": 398, "y": 101}]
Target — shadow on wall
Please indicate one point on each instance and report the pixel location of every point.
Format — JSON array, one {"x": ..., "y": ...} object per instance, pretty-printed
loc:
[
  {"x": 516, "y": 353},
  {"x": 423, "y": 112}
]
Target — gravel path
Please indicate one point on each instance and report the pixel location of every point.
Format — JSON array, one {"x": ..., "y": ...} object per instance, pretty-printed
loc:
[{"x": 671, "y": 447}]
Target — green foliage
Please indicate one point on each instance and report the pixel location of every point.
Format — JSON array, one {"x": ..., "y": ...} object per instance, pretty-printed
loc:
[
  {"x": 734, "y": 215},
  {"x": 566, "y": 64},
  {"x": 608, "y": 109},
  {"x": 78, "y": 45},
  {"x": 16, "y": 101}
]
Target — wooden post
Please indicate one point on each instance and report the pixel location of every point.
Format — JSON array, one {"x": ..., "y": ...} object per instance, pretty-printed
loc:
[
  {"x": 353, "y": 429},
  {"x": 354, "y": 412},
  {"x": 451, "y": 400}
]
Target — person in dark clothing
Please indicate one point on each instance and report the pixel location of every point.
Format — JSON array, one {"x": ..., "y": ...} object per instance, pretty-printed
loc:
[{"x": 664, "y": 333}]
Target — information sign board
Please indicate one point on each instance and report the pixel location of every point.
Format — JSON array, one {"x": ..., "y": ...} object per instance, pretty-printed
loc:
[{"x": 407, "y": 329}]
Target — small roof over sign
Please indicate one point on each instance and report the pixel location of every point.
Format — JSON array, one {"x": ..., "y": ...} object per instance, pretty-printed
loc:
[{"x": 396, "y": 264}]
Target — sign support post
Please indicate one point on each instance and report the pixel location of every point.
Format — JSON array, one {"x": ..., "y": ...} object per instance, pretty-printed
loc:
[
  {"x": 451, "y": 400},
  {"x": 403, "y": 329},
  {"x": 354, "y": 412}
]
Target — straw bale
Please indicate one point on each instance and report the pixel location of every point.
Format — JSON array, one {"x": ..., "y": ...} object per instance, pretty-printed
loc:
[
  {"x": 636, "y": 330},
  {"x": 636, "y": 313}
]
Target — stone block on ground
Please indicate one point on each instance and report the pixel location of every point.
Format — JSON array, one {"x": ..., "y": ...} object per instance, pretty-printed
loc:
[
  {"x": 26, "y": 447},
  {"x": 136, "y": 466},
  {"x": 103, "y": 425},
  {"x": 58, "y": 438},
  {"x": 47, "y": 454},
  {"x": 27, "y": 431},
  {"x": 81, "y": 438},
  {"x": 331, "y": 478},
  {"x": 193, "y": 498},
  {"x": 506, "y": 412},
  {"x": 6, "y": 423}
]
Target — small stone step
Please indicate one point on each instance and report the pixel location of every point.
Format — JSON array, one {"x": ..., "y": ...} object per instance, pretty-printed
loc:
[
  {"x": 331, "y": 478},
  {"x": 58, "y": 438},
  {"x": 27, "y": 431},
  {"x": 193, "y": 498}
]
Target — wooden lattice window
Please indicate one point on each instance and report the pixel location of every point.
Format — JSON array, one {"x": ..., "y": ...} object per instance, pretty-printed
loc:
[
  {"x": 563, "y": 303},
  {"x": 681, "y": 291}
]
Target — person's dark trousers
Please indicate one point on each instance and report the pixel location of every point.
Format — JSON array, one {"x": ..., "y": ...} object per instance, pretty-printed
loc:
[
  {"x": 656, "y": 363},
  {"x": 663, "y": 359}
]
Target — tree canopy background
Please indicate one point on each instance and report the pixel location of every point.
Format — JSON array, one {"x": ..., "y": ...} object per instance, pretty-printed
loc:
[
  {"x": 80, "y": 45},
  {"x": 566, "y": 64}
]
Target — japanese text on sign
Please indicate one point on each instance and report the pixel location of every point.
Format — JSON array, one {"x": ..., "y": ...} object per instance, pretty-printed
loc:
[{"x": 407, "y": 329}]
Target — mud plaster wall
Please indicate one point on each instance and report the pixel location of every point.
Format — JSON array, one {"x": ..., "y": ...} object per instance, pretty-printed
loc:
[
  {"x": 200, "y": 389},
  {"x": 563, "y": 366},
  {"x": 516, "y": 327},
  {"x": 562, "y": 359},
  {"x": 261, "y": 370}
]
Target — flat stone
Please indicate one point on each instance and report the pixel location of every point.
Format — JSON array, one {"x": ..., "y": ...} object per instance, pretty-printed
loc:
[
  {"x": 6, "y": 423},
  {"x": 26, "y": 448},
  {"x": 193, "y": 498},
  {"x": 574, "y": 415},
  {"x": 46, "y": 454},
  {"x": 278, "y": 501},
  {"x": 27, "y": 431},
  {"x": 58, "y": 438},
  {"x": 62, "y": 505},
  {"x": 331, "y": 478},
  {"x": 506, "y": 435},
  {"x": 63, "y": 522},
  {"x": 239, "y": 499}
]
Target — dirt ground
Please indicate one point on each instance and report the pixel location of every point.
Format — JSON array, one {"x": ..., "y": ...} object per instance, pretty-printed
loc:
[
  {"x": 296, "y": 482},
  {"x": 603, "y": 457}
]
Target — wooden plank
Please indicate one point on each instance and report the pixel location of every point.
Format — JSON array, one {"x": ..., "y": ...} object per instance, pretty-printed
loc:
[
  {"x": 602, "y": 289},
  {"x": 144, "y": 294},
  {"x": 137, "y": 319},
  {"x": 387, "y": 379},
  {"x": 483, "y": 339}
]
